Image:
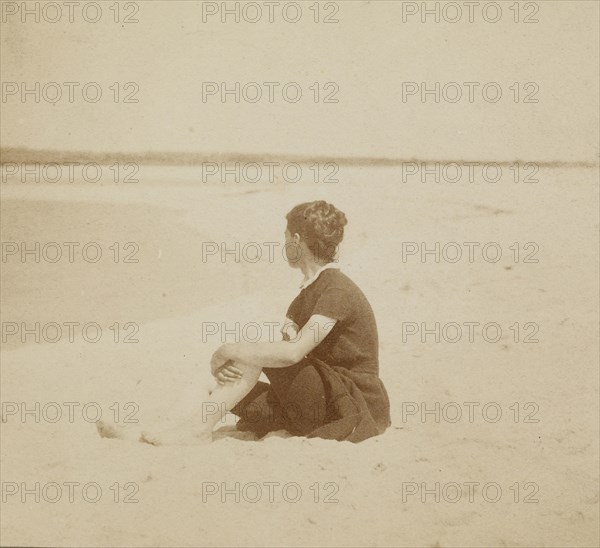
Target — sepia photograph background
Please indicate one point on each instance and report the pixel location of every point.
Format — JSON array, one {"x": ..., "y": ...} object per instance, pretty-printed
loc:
[{"x": 472, "y": 230}]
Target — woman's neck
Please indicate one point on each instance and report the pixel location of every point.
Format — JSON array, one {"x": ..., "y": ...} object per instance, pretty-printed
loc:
[{"x": 310, "y": 268}]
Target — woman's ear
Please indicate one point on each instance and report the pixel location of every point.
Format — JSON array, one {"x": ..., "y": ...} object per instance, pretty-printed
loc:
[{"x": 296, "y": 238}]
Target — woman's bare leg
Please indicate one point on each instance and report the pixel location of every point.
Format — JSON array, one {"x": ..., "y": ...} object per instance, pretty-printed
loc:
[
  {"x": 198, "y": 411},
  {"x": 186, "y": 406}
]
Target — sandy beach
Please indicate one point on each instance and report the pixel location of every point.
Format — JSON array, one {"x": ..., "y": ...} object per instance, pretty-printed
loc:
[{"x": 172, "y": 295}]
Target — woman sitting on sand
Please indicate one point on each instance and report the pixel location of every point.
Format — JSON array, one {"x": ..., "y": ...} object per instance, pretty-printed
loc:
[{"x": 323, "y": 375}]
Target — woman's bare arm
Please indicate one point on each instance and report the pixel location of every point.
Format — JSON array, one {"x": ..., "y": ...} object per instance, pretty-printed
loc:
[{"x": 276, "y": 354}]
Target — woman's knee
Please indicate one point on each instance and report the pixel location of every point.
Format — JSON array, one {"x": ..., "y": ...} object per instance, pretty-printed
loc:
[{"x": 249, "y": 371}]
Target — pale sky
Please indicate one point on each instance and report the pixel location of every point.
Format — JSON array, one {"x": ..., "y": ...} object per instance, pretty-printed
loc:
[{"x": 369, "y": 54}]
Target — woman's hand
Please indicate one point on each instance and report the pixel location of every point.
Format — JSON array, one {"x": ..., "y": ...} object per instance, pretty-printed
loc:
[
  {"x": 219, "y": 358},
  {"x": 228, "y": 373},
  {"x": 289, "y": 331}
]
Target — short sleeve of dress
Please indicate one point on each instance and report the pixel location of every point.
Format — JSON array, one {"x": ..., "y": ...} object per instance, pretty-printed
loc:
[
  {"x": 292, "y": 311},
  {"x": 333, "y": 303}
]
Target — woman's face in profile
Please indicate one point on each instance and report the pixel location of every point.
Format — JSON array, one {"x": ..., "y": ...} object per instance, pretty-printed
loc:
[{"x": 293, "y": 251}]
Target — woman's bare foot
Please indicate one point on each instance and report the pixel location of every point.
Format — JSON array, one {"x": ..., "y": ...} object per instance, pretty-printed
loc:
[
  {"x": 177, "y": 436},
  {"x": 114, "y": 431},
  {"x": 164, "y": 433}
]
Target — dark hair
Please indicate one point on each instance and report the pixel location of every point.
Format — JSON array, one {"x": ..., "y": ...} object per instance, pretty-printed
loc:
[{"x": 321, "y": 226}]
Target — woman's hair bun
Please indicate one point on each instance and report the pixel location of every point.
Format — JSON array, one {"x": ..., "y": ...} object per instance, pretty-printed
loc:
[{"x": 321, "y": 225}]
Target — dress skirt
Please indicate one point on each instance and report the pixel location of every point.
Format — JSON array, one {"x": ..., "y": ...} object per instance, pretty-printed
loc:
[{"x": 316, "y": 400}]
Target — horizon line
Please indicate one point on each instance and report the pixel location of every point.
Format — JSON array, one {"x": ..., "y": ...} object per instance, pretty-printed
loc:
[{"x": 34, "y": 156}]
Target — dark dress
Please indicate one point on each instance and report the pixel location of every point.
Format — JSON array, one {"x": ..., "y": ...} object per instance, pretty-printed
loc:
[{"x": 335, "y": 392}]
